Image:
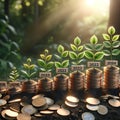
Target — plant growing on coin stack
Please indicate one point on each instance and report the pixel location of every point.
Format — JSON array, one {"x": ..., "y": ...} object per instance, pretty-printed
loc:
[
  {"x": 14, "y": 87},
  {"x": 111, "y": 72},
  {"x": 61, "y": 64},
  {"x": 76, "y": 55},
  {"x": 28, "y": 73},
  {"x": 45, "y": 64},
  {"x": 94, "y": 53}
]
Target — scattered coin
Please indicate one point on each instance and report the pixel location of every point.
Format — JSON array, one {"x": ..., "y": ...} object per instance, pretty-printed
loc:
[
  {"x": 54, "y": 107},
  {"x": 2, "y": 102},
  {"x": 70, "y": 104},
  {"x": 22, "y": 116},
  {"x": 63, "y": 112},
  {"x": 46, "y": 112},
  {"x": 72, "y": 99},
  {"x": 103, "y": 110},
  {"x": 88, "y": 116},
  {"x": 92, "y": 101},
  {"x": 114, "y": 102},
  {"x": 11, "y": 113},
  {"x": 15, "y": 100},
  {"x": 92, "y": 107},
  {"x": 49, "y": 101}
]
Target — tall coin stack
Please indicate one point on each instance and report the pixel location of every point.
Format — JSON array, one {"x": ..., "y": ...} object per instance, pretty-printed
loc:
[
  {"x": 45, "y": 85},
  {"x": 77, "y": 80},
  {"x": 93, "y": 78},
  {"x": 111, "y": 77},
  {"x": 61, "y": 82},
  {"x": 29, "y": 86}
]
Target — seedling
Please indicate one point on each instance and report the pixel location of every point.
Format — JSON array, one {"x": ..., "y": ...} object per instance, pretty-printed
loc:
[
  {"x": 93, "y": 48},
  {"x": 45, "y": 62},
  {"x": 29, "y": 69},
  {"x": 77, "y": 52},
  {"x": 111, "y": 43},
  {"x": 13, "y": 74},
  {"x": 61, "y": 58}
]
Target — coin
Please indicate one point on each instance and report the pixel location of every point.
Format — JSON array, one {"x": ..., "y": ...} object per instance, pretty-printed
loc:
[
  {"x": 114, "y": 102},
  {"x": 54, "y": 107},
  {"x": 103, "y": 110},
  {"x": 70, "y": 104},
  {"x": 15, "y": 100},
  {"x": 72, "y": 99},
  {"x": 92, "y": 101},
  {"x": 46, "y": 112},
  {"x": 63, "y": 112},
  {"x": 49, "y": 101},
  {"x": 87, "y": 116},
  {"x": 92, "y": 107},
  {"x": 37, "y": 96},
  {"x": 11, "y": 113},
  {"x": 28, "y": 109},
  {"x": 2, "y": 102},
  {"x": 22, "y": 116}
]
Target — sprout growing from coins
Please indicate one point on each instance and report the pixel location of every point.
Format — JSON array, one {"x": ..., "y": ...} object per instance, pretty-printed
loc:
[
  {"x": 111, "y": 43},
  {"x": 45, "y": 62},
  {"x": 77, "y": 52},
  {"x": 61, "y": 61},
  {"x": 14, "y": 75},
  {"x": 93, "y": 48},
  {"x": 29, "y": 69}
]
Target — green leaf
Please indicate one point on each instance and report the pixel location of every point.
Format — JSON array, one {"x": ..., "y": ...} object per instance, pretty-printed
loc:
[
  {"x": 99, "y": 47},
  {"x": 43, "y": 69},
  {"x": 12, "y": 29},
  {"x": 106, "y": 37},
  {"x": 107, "y": 44},
  {"x": 81, "y": 55},
  {"x": 16, "y": 45},
  {"x": 89, "y": 54},
  {"x": 80, "y": 48},
  {"x": 115, "y": 52},
  {"x": 111, "y": 30},
  {"x": 32, "y": 74},
  {"x": 74, "y": 63},
  {"x": 99, "y": 55},
  {"x": 26, "y": 66},
  {"x": 32, "y": 66},
  {"x": 48, "y": 57},
  {"x": 116, "y": 44},
  {"x": 65, "y": 63},
  {"x": 58, "y": 65},
  {"x": 73, "y": 55},
  {"x": 115, "y": 37},
  {"x": 50, "y": 65},
  {"x": 42, "y": 56},
  {"x": 106, "y": 52},
  {"x": 94, "y": 39},
  {"x": 77, "y": 41},
  {"x": 41, "y": 63},
  {"x": 88, "y": 46},
  {"x": 25, "y": 73},
  {"x": 60, "y": 49},
  {"x": 73, "y": 47},
  {"x": 65, "y": 54},
  {"x": 57, "y": 57}
]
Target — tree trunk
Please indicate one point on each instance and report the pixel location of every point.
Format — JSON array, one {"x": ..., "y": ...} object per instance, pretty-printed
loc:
[
  {"x": 6, "y": 7},
  {"x": 114, "y": 15}
]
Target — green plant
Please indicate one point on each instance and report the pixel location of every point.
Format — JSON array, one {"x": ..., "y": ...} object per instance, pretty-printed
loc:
[
  {"x": 111, "y": 43},
  {"x": 45, "y": 62},
  {"x": 62, "y": 54},
  {"x": 77, "y": 52},
  {"x": 93, "y": 48},
  {"x": 29, "y": 69},
  {"x": 13, "y": 74},
  {"x": 9, "y": 48}
]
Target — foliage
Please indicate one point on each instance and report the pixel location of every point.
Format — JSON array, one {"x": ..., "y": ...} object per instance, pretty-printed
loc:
[
  {"x": 63, "y": 63},
  {"x": 9, "y": 49},
  {"x": 29, "y": 69},
  {"x": 111, "y": 43},
  {"x": 45, "y": 62},
  {"x": 14, "y": 75},
  {"x": 77, "y": 52},
  {"x": 93, "y": 48}
]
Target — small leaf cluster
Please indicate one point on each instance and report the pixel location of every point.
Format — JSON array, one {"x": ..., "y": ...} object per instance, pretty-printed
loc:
[
  {"x": 45, "y": 62},
  {"x": 111, "y": 42},
  {"x": 29, "y": 69},
  {"x": 14, "y": 75},
  {"x": 93, "y": 49},
  {"x": 77, "y": 52},
  {"x": 61, "y": 62}
]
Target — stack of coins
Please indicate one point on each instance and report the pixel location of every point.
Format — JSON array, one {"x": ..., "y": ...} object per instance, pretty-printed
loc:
[
  {"x": 93, "y": 78},
  {"x": 77, "y": 81},
  {"x": 111, "y": 77},
  {"x": 45, "y": 85},
  {"x": 29, "y": 86},
  {"x": 61, "y": 82}
]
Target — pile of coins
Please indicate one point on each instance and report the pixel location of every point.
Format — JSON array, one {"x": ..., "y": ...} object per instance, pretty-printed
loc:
[
  {"x": 93, "y": 78},
  {"x": 29, "y": 86},
  {"x": 77, "y": 81},
  {"x": 45, "y": 85},
  {"x": 111, "y": 77},
  {"x": 61, "y": 82}
]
